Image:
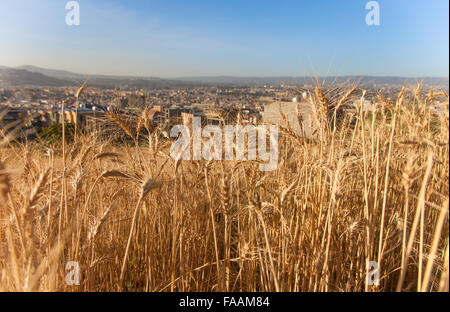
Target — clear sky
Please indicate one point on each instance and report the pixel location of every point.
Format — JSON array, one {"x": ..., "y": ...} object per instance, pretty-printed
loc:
[{"x": 172, "y": 38}]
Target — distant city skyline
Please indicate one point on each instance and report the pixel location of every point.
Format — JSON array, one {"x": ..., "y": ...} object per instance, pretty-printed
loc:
[{"x": 234, "y": 38}]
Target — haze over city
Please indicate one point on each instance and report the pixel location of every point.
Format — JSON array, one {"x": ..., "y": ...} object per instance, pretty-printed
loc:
[{"x": 251, "y": 38}]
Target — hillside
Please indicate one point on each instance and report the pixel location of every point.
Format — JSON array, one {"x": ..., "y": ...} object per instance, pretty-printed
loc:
[
  {"x": 10, "y": 77},
  {"x": 36, "y": 76}
]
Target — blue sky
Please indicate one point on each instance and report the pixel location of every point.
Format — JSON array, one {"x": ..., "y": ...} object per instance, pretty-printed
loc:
[{"x": 169, "y": 38}]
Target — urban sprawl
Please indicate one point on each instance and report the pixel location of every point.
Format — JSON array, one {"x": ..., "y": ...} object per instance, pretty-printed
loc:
[{"x": 168, "y": 106}]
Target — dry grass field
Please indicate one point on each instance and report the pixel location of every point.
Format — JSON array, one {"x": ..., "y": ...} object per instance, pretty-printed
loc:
[{"x": 373, "y": 188}]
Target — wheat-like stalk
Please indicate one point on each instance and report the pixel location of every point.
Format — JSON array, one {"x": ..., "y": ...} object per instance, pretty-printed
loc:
[
  {"x": 115, "y": 117},
  {"x": 4, "y": 183},
  {"x": 374, "y": 188}
]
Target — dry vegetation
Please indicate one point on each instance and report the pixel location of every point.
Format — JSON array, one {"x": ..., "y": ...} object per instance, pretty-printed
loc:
[{"x": 375, "y": 188}]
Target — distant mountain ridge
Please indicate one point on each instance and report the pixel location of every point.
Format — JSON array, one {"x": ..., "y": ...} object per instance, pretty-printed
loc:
[
  {"x": 364, "y": 80},
  {"x": 55, "y": 73},
  {"x": 31, "y": 76},
  {"x": 10, "y": 77},
  {"x": 28, "y": 75}
]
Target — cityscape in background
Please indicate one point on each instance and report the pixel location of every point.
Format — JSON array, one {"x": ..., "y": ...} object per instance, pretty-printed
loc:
[{"x": 32, "y": 91}]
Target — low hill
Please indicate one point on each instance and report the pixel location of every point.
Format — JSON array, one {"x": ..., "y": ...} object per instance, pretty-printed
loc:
[
  {"x": 10, "y": 77},
  {"x": 37, "y": 76}
]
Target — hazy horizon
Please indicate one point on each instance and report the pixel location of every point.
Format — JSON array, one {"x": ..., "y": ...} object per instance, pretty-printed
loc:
[
  {"x": 217, "y": 75},
  {"x": 252, "y": 39}
]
